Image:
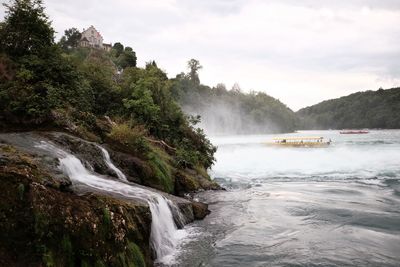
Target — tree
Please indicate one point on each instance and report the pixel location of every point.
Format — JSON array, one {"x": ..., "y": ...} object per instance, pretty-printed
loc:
[
  {"x": 26, "y": 29},
  {"x": 141, "y": 105},
  {"x": 194, "y": 66},
  {"x": 71, "y": 38},
  {"x": 220, "y": 89},
  {"x": 44, "y": 80},
  {"x": 236, "y": 88},
  {"x": 99, "y": 78},
  {"x": 127, "y": 58},
  {"x": 119, "y": 48}
]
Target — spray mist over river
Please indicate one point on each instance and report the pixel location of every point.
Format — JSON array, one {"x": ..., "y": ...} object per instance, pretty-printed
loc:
[{"x": 335, "y": 206}]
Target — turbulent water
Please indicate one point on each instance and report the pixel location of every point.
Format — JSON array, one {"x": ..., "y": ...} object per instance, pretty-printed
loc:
[
  {"x": 336, "y": 206},
  {"x": 164, "y": 234}
]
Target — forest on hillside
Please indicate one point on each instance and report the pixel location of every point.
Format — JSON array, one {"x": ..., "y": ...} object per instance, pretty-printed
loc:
[
  {"x": 46, "y": 84},
  {"x": 370, "y": 109},
  {"x": 224, "y": 111}
]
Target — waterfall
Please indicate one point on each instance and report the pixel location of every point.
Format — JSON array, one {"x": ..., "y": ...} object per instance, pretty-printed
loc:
[
  {"x": 164, "y": 233},
  {"x": 111, "y": 165}
]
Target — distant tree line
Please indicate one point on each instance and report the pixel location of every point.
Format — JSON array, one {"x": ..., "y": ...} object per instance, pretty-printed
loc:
[{"x": 370, "y": 109}]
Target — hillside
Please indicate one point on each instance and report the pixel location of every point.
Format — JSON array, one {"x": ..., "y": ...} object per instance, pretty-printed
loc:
[
  {"x": 92, "y": 147},
  {"x": 370, "y": 109},
  {"x": 225, "y": 111}
]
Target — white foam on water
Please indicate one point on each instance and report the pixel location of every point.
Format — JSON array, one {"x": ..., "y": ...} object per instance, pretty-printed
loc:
[{"x": 258, "y": 161}]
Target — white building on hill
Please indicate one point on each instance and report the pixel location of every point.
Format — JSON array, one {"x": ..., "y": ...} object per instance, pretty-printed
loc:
[{"x": 92, "y": 38}]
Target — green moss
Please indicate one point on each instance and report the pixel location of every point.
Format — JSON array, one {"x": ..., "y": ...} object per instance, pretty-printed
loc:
[
  {"x": 203, "y": 172},
  {"x": 191, "y": 184},
  {"x": 99, "y": 263},
  {"x": 136, "y": 255},
  {"x": 107, "y": 223},
  {"x": 122, "y": 260},
  {"x": 48, "y": 259},
  {"x": 107, "y": 217},
  {"x": 133, "y": 257},
  {"x": 162, "y": 172},
  {"x": 67, "y": 250},
  {"x": 41, "y": 224},
  {"x": 84, "y": 263},
  {"x": 8, "y": 149},
  {"x": 21, "y": 191}
]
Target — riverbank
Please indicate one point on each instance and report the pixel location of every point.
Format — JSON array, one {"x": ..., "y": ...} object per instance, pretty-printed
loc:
[{"x": 66, "y": 202}]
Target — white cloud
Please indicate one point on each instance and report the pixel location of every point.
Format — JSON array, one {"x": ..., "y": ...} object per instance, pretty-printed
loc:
[{"x": 301, "y": 52}]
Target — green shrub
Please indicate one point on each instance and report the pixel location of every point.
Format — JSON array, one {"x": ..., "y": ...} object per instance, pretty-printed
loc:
[{"x": 131, "y": 138}]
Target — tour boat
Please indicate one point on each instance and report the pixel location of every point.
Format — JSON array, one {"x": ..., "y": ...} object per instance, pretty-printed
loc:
[
  {"x": 354, "y": 132},
  {"x": 300, "y": 142}
]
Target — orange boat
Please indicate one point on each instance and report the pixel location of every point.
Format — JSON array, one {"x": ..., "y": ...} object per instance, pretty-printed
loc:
[{"x": 354, "y": 132}]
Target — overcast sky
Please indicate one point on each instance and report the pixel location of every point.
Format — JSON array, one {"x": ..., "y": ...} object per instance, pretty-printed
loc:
[{"x": 301, "y": 52}]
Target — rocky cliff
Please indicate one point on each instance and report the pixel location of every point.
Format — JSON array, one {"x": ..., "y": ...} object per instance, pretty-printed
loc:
[{"x": 49, "y": 219}]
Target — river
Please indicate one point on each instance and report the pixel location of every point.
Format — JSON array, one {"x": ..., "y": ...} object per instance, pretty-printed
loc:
[{"x": 335, "y": 206}]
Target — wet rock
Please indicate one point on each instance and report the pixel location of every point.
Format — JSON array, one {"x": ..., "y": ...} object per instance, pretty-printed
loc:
[
  {"x": 134, "y": 168},
  {"x": 45, "y": 226},
  {"x": 89, "y": 153},
  {"x": 186, "y": 210},
  {"x": 200, "y": 210},
  {"x": 189, "y": 181}
]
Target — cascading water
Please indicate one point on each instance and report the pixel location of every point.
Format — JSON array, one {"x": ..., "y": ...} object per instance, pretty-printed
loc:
[
  {"x": 111, "y": 165},
  {"x": 164, "y": 233}
]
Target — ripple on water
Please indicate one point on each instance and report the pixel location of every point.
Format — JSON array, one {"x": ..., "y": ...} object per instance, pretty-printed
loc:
[{"x": 297, "y": 207}]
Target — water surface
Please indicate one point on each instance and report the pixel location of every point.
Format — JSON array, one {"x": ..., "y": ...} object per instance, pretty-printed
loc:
[{"x": 336, "y": 206}]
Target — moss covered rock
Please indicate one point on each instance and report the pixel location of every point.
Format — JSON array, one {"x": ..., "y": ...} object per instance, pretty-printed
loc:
[
  {"x": 44, "y": 226},
  {"x": 200, "y": 210},
  {"x": 190, "y": 180}
]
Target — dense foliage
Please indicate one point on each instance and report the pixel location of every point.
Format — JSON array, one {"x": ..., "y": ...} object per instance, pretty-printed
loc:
[
  {"x": 229, "y": 112},
  {"x": 47, "y": 84},
  {"x": 370, "y": 109},
  {"x": 123, "y": 57},
  {"x": 71, "y": 38}
]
